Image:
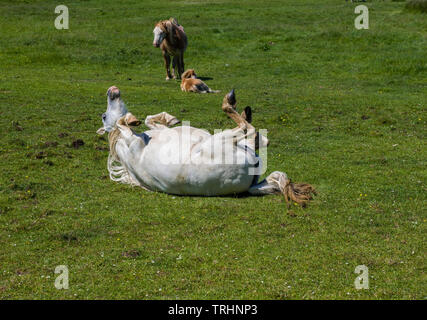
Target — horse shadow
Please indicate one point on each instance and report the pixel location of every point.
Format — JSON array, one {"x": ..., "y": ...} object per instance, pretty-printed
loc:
[{"x": 205, "y": 78}]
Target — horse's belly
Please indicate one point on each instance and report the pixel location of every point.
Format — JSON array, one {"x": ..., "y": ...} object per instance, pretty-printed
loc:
[
  {"x": 216, "y": 180},
  {"x": 207, "y": 180},
  {"x": 196, "y": 176},
  {"x": 183, "y": 163}
]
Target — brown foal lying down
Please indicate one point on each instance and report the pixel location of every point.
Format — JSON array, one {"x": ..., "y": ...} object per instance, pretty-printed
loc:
[
  {"x": 172, "y": 40},
  {"x": 190, "y": 83}
]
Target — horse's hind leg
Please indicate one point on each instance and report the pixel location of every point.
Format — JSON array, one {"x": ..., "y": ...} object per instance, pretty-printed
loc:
[
  {"x": 279, "y": 183},
  {"x": 244, "y": 129},
  {"x": 263, "y": 188},
  {"x": 161, "y": 120},
  {"x": 181, "y": 65},
  {"x": 260, "y": 140},
  {"x": 175, "y": 64}
]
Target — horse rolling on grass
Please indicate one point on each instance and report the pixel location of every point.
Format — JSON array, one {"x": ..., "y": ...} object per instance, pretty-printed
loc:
[
  {"x": 170, "y": 37},
  {"x": 190, "y": 83},
  {"x": 184, "y": 160}
]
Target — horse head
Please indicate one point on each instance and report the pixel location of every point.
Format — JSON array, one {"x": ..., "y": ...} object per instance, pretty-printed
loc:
[{"x": 115, "y": 110}]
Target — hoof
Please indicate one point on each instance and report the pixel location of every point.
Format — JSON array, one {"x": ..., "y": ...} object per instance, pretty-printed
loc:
[
  {"x": 173, "y": 122},
  {"x": 231, "y": 97},
  {"x": 247, "y": 114}
]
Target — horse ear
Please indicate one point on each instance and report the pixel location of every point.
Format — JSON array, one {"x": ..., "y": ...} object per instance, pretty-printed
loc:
[
  {"x": 131, "y": 120},
  {"x": 173, "y": 20}
]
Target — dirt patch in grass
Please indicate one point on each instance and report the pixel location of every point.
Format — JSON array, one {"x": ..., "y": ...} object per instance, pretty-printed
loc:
[
  {"x": 131, "y": 254},
  {"x": 40, "y": 155},
  {"x": 76, "y": 144},
  {"x": 49, "y": 144},
  {"x": 69, "y": 237}
]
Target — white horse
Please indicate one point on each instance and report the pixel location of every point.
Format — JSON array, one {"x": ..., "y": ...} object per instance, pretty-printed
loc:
[{"x": 189, "y": 161}]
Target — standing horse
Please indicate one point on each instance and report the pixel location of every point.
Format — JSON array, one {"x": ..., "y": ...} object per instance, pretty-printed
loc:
[
  {"x": 172, "y": 40},
  {"x": 189, "y": 161}
]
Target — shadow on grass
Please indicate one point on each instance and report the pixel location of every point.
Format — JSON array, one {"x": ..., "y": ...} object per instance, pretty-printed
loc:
[{"x": 205, "y": 78}]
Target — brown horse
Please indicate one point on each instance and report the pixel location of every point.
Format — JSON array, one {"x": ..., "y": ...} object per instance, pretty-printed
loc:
[
  {"x": 171, "y": 38},
  {"x": 190, "y": 83}
]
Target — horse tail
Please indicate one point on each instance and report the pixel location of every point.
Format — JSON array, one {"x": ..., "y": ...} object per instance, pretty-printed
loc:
[{"x": 300, "y": 193}]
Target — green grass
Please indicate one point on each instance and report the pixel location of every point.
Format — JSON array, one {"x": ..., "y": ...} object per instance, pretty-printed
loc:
[
  {"x": 417, "y": 5},
  {"x": 345, "y": 110}
]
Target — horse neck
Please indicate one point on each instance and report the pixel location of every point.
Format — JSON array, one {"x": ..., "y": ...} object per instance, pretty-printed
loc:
[
  {"x": 116, "y": 134},
  {"x": 170, "y": 40},
  {"x": 176, "y": 39},
  {"x": 113, "y": 137}
]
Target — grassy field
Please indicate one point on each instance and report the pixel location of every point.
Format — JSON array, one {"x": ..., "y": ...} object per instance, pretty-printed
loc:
[{"x": 345, "y": 110}]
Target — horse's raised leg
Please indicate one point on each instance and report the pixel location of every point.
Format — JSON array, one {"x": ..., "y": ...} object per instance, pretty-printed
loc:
[
  {"x": 161, "y": 120},
  {"x": 244, "y": 128},
  {"x": 124, "y": 124},
  {"x": 260, "y": 140},
  {"x": 279, "y": 183},
  {"x": 167, "y": 60}
]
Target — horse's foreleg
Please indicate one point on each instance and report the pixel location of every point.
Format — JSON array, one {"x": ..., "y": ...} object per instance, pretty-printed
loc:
[
  {"x": 167, "y": 59},
  {"x": 160, "y": 121}
]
